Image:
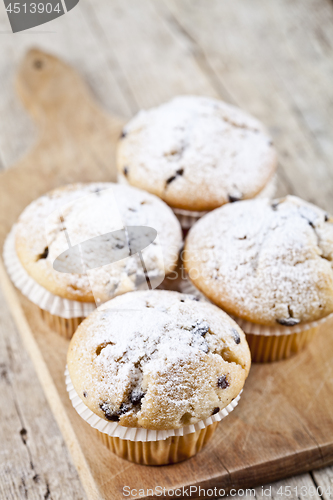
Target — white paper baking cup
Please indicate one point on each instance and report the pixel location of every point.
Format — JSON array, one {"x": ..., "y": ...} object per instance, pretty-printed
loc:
[
  {"x": 134, "y": 433},
  {"x": 36, "y": 293},
  {"x": 186, "y": 286}
]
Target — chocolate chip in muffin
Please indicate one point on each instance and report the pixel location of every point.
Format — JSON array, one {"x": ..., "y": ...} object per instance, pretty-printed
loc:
[
  {"x": 216, "y": 410},
  {"x": 125, "y": 171},
  {"x": 85, "y": 394},
  {"x": 232, "y": 199},
  {"x": 109, "y": 414},
  {"x": 123, "y": 134},
  {"x": 179, "y": 172},
  {"x": 327, "y": 218},
  {"x": 222, "y": 382},
  {"x": 124, "y": 408},
  {"x": 309, "y": 221},
  {"x": 171, "y": 179},
  {"x": 44, "y": 254},
  {"x": 204, "y": 347},
  {"x": 136, "y": 396},
  {"x": 186, "y": 418},
  {"x": 288, "y": 321},
  {"x": 201, "y": 328},
  {"x": 235, "y": 335}
]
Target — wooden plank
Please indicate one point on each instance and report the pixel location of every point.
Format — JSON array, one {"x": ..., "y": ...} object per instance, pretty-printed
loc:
[
  {"x": 155, "y": 63},
  {"x": 263, "y": 54},
  {"x": 34, "y": 461},
  {"x": 292, "y": 488},
  {"x": 323, "y": 479}
]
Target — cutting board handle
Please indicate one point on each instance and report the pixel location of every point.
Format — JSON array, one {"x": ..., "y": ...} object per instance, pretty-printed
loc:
[
  {"x": 76, "y": 139},
  {"x": 54, "y": 93}
]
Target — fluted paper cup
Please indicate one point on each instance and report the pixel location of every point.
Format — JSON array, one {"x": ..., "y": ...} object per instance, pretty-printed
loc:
[
  {"x": 274, "y": 343},
  {"x": 145, "y": 446},
  {"x": 62, "y": 315}
]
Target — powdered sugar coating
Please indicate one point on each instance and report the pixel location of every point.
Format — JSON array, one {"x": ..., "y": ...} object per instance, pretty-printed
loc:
[
  {"x": 269, "y": 262},
  {"x": 87, "y": 211},
  {"x": 196, "y": 153},
  {"x": 158, "y": 360}
]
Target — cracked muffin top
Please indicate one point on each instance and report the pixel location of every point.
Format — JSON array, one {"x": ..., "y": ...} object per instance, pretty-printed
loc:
[
  {"x": 196, "y": 153},
  {"x": 158, "y": 360},
  {"x": 94, "y": 215},
  {"x": 269, "y": 262}
]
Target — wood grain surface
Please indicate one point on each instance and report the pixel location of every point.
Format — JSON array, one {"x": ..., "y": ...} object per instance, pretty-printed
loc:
[{"x": 272, "y": 58}]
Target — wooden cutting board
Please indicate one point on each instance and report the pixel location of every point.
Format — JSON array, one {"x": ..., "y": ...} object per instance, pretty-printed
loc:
[{"x": 284, "y": 422}]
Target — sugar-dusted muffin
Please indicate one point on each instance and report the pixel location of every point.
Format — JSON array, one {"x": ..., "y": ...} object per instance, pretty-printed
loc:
[
  {"x": 158, "y": 360},
  {"x": 196, "y": 153},
  {"x": 269, "y": 263},
  {"x": 94, "y": 216}
]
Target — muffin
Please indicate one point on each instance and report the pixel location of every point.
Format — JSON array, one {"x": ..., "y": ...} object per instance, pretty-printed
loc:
[
  {"x": 269, "y": 264},
  {"x": 196, "y": 154},
  {"x": 80, "y": 245},
  {"x": 157, "y": 370}
]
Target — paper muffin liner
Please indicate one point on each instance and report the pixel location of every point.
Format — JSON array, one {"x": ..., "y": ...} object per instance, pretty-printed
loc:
[
  {"x": 269, "y": 343},
  {"x": 278, "y": 330},
  {"x": 145, "y": 446},
  {"x": 66, "y": 327},
  {"x": 267, "y": 349},
  {"x": 63, "y": 315},
  {"x": 274, "y": 343},
  {"x": 170, "y": 451},
  {"x": 113, "y": 429}
]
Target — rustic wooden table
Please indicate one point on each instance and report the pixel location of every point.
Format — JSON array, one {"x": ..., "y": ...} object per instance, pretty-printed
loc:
[{"x": 272, "y": 58}]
